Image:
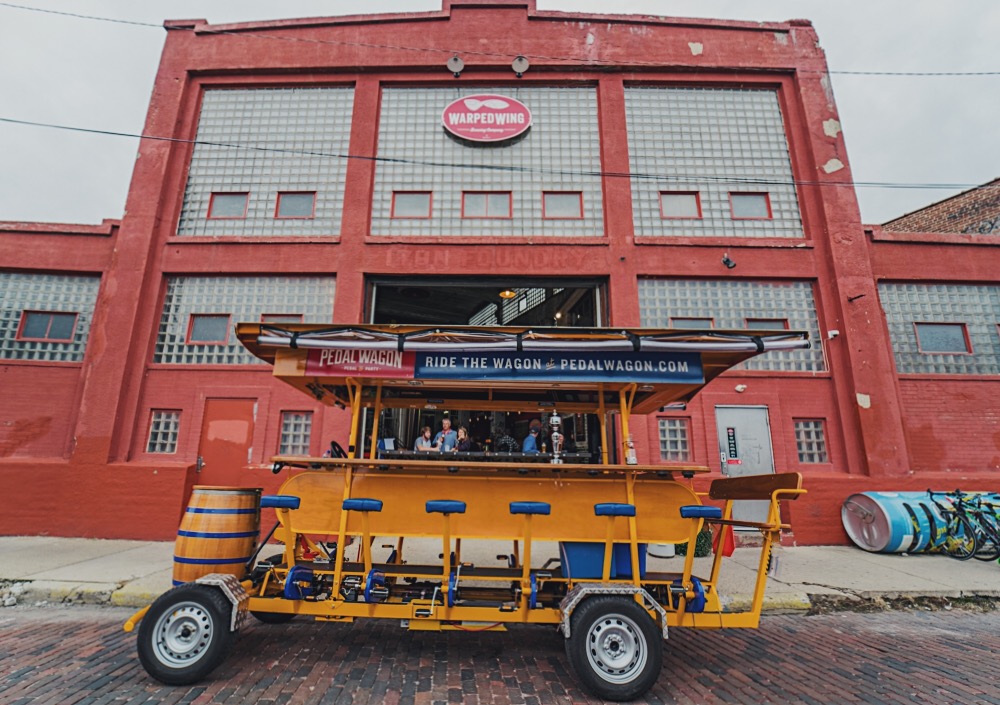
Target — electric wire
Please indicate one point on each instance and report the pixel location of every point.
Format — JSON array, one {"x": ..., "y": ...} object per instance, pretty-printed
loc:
[
  {"x": 208, "y": 29},
  {"x": 685, "y": 178}
]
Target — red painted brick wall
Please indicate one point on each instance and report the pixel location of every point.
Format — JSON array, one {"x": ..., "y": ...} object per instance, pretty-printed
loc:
[
  {"x": 952, "y": 425},
  {"x": 87, "y": 473}
]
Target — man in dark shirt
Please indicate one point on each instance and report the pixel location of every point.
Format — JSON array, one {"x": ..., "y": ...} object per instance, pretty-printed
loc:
[{"x": 504, "y": 443}]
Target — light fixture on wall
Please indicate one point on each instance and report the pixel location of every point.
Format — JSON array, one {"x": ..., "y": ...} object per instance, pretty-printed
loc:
[
  {"x": 508, "y": 294},
  {"x": 728, "y": 262},
  {"x": 520, "y": 65},
  {"x": 455, "y": 65}
]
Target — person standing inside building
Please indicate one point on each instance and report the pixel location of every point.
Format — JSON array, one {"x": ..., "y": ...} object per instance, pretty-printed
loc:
[
  {"x": 530, "y": 444},
  {"x": 424, "y": 441},
  {"x": 465, "y": 443},
  {"x": 446, "y": 438},
  {"x": 503, "y": 442}
]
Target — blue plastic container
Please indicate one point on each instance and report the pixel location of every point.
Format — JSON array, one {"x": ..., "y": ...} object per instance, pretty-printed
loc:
[
  {"x": 893, "y": 522},
  {"x": 583, "y": 560}
]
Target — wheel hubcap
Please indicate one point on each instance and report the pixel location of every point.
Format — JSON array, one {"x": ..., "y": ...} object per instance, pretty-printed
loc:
[
  {"x": 182, "y": 636},
  {"x": 616, "y": 648}
]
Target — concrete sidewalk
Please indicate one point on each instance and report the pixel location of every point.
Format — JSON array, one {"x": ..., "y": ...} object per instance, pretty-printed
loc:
[{"x": 41, "y": 569}]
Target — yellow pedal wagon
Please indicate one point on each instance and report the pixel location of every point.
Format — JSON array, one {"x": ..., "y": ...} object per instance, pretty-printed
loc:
[{"x": 597, "y": 506}]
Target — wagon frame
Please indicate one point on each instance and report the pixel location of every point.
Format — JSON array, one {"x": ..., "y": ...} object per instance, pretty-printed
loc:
[{"x": 611, "y": 611}]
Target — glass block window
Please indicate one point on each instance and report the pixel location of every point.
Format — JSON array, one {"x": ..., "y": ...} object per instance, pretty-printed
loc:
[
  {"x": 296, "y": 205},
  {"x": 484, "y": 204},
  {"x": 730, "y": 304},
  {"x": 810, "y": 441},
  {"x": 245, "y": 299},
  {"x": 164, "y": 427},
  {"x": 714, "y": 141},
  {"x": 46, "y": 316},
  {"x": 679, "y": 205},
  {"x": 263, "y": 142},
  {"x": 208, "y": 329},
  {"x": 691, "y": 323},
  {"x": 675, "y": 441},
  {"x": 749, "y": 206},
  {"x": 558, "y": 153},
  {"x": 411, "y": 204},
  {"x": 935, "y": 349},
  {"x": 228, "y": 205},
  {"x": 42, "y": 325},
  {"x": 296, "y": 431},
  {"x": 562, "y": 205},
  {"x": 942, "y": 338}
]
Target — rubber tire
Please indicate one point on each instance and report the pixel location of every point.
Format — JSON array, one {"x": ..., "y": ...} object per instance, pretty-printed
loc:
[
  {"x": 967, "y": 548},
  {"x": 585, "y": 618},
  {"x": 215, "y": 609},
  {"x": 989, "y": 546}
]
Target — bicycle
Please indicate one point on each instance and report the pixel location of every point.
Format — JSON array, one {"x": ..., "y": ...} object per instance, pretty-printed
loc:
[{"x": 960, "y": 536}]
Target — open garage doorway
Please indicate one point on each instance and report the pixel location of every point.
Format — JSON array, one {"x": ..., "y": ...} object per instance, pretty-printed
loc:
[
  {"x": 482, "y": 301},
  {"x": 479, "y": 301}
]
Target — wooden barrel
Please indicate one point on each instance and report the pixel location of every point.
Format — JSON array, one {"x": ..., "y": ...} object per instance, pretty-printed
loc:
[{"x": 218, "y": 532}]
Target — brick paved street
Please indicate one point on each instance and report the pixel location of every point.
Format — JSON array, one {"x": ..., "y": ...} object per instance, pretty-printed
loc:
[{"x": 61, "y": 656}]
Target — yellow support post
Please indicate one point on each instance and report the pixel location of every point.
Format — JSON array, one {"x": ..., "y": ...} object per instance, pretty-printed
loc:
[
  {"x": 602, "y": 418},
  {"x": 378, "y": 414}
]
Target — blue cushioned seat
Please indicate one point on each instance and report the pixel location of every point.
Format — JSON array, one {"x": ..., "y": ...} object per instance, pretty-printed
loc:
[
  {"x": 699, "y": 511},
  {"x": 362, "y": 504},
  {"x": 530, "y": 508},
  {"x": 279, "y": 501},
  {"x": 445, "y": 506},
  {"x": 614, "y": 509}
]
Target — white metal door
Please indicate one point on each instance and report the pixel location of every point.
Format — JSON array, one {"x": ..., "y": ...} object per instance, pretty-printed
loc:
[{"x": 745, "y": 449}]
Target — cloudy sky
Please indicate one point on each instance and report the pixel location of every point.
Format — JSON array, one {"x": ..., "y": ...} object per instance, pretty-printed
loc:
[{"x": 901, "y": 130}]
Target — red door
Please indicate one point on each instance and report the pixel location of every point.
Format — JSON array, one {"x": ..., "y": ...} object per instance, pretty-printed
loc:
[{"x": 226, "y": 440}]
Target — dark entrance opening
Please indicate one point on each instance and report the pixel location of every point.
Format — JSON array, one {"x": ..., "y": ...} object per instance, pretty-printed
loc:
[{"x": 479, "y": 301}]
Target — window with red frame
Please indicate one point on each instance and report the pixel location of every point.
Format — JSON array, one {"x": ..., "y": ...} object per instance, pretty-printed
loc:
[
  {"x": 562, "y": 205},
  {"x": 675, "y": 439},
  {"x": 680, "y": 204},
  {"x": 487, "y": 204},
  {"x": 691, "y": 323},
  {"x": 228, "y": 205},
  {"x": 767, "y": 324},
  {"x": 208, "y": 329},
  {"x": 750, "y": 206},
  {"x": 296, "y": 204},
  {"x": 943, "y": 338},
  {"x": 411, "y": 204},
  {"x": 810, "y": 440},
  {"x": 47, "y": 325}
]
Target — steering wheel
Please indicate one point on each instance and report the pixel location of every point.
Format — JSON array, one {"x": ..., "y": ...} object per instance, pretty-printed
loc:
[{"x": 336, "y": 451}]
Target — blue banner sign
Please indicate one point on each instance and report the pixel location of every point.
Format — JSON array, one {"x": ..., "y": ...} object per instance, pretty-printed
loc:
[{"x": 649, "y": 367}]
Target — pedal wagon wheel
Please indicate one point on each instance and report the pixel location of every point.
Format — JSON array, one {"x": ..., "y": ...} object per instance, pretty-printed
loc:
[
  {"x": 615, "y": 648},
  {"x": 185, "y": 634}
]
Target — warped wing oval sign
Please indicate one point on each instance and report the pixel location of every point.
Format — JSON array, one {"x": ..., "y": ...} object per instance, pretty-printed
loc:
[{"x": 486, "y": 118}]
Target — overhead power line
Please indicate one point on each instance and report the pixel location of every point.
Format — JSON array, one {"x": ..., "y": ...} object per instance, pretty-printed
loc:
[
  {"x": 684, "y": 178},
  {"x": 474, "y": 52}
]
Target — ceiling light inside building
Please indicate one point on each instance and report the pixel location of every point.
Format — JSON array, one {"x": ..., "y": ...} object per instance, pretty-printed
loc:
[{"x": 507, "y": 294}]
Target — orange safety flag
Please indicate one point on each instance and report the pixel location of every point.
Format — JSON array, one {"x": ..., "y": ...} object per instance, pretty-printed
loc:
[{"x": 726, "y": 542}]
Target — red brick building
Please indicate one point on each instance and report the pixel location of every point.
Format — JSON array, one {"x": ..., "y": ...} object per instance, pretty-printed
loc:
[{"x": 676, "y": 172}]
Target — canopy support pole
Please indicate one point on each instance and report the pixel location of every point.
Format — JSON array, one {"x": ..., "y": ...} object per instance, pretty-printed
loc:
[
  {"x": 602, "y": 417},
  {"x": 378, "y": 416}
]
